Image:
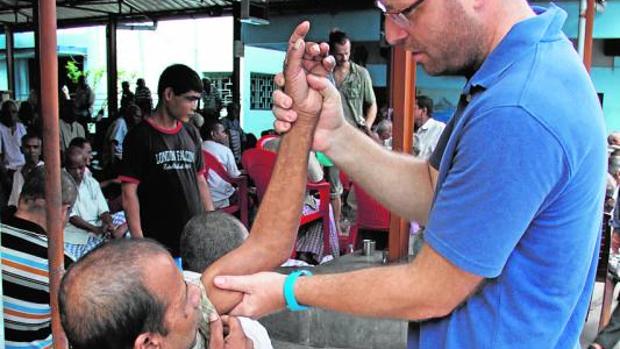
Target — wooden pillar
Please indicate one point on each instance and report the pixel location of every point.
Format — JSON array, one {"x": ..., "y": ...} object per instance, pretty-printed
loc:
[
  {"x": 112, "y": 68},
  {"x": 51, "y": 144},
  {"x": 10, "y": 60},
  {"x": 403, "y": 98},
  {"x": 587, "y": 53},
  {"x": 237, "y": 52}
]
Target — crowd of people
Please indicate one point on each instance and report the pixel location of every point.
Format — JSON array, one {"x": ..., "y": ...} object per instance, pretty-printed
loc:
[{"x": 500, "y": 258}]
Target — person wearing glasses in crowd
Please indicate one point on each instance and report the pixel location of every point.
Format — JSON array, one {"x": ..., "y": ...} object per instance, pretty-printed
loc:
[
  {"x": 162, "y": 170},
  {"x": 511, "y": 198}
]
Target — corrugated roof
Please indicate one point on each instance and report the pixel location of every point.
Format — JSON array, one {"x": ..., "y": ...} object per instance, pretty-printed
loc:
[{"x": 20, "y": 11}]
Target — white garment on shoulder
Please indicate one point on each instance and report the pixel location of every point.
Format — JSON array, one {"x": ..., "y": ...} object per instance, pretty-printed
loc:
[
  {"x": 219, "y": 188},
  {"x": 252, "y": 328}
]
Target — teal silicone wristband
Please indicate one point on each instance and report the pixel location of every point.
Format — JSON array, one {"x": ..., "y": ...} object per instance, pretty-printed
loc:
[{"x": 289, "y": 290}]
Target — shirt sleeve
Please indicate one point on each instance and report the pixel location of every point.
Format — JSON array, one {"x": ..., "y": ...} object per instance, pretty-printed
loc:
[
  {"x": 369, "y": 93},
  {"x": 231, "y": 165},
  {"x": 498, "y": 181},
  {"x": 134, "y": 159}
]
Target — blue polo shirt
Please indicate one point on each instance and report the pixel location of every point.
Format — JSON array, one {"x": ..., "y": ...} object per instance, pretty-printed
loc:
[{"x": 520, "y": 195}]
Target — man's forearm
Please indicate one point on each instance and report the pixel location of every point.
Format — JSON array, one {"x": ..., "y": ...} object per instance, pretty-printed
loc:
[
  {"x": 371, "y": 115},
  {"x": 428, "y": 287},
  {"x": 275, "y": 229},
  {"x": 131, "y": 205},
  {"x": 403, "y": 184},
  {"x": 84, "y": 225}
]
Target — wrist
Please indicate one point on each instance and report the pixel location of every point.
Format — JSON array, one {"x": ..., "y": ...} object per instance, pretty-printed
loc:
[
  {"x": 289, "y": 290},
  {"x": 339, "y": 139}
]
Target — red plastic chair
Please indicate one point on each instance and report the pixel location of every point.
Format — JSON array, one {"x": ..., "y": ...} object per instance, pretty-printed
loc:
[
  {"x": 370, "y": 216},
  {"x": 241, "y": 182},
  {"x": 260, "y": 163},
  {"x": 260, "y": 144}
]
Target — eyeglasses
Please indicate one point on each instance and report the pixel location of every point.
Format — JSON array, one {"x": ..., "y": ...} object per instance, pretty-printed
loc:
[{"x": 401, "y": 18}]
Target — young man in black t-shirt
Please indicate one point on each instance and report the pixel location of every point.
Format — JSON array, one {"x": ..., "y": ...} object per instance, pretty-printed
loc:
[{"x": 162, "y": 168}]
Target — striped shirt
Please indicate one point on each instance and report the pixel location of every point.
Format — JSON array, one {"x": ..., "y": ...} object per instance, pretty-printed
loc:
[{"x": 25, "y": 283}]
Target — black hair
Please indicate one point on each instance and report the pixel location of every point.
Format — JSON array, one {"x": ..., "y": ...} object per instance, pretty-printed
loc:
[
  {"x": 30, "y": 135},
  {"x": 78, "y": 142},
  {"x": 425, "y": 102},
  {"x": 337, "y": 37},
  {"x": 103, "y": 301},
  {"x": 180, "y": 78},
  {"x": 5, "y": 115}
]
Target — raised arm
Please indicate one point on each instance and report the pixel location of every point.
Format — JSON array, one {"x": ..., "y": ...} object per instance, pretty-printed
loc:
[{"x": 274, "y": 231}]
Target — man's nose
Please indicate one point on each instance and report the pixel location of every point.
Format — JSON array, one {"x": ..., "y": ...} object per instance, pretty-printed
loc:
[{"x": 394, "y": 34}]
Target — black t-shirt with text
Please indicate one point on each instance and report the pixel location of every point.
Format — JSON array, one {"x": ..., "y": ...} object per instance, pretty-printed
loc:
[{"x": 166, "y": 164}]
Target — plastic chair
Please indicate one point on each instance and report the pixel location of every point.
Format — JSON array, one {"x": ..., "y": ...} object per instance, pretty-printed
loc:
[
  {"x": 260, "y": 144},
  {"x": 241, "y": 182},
  {"x": 370, "y": 216},
  {"x": 260, "y": 163}
]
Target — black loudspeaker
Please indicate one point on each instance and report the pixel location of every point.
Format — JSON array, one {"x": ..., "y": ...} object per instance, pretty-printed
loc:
[{"x": 611, "y": 47}]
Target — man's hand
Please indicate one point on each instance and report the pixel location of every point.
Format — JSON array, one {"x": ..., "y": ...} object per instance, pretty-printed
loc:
[
  {"x": 331, "y": 117},
  {"x": 262, "y": 293},
  {"x": 303, "y": 59},
  {"x": 226, "y": 333}
]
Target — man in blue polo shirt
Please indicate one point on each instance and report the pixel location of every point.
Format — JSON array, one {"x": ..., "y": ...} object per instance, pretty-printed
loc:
[{"x": 511, "y": 198}]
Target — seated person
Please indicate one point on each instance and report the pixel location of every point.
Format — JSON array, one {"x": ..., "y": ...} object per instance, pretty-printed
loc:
[
  {"x": 205, "y": 239},
  {"x": 217, "y": 144},
  {"x": 25, "y": 285},
  {"x": 309, "y": 245},
  {"x": 90, "y": 220},
  {"x": 87, "y": 148},
  {"x": 31, "y": 148}
]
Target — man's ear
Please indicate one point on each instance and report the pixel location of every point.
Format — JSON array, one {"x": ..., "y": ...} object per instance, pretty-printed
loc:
[
  {"x": 148, "y": 340},
  {"x": 168, "y": 93}
]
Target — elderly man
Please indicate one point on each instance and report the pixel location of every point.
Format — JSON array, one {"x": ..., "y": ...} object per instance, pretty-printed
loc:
[
  {"x": 146, "y": 304},
  {"x": 90, "y": 219},
  {"x": 25, "y": 270},
  {"x": 511, "y": 198}
]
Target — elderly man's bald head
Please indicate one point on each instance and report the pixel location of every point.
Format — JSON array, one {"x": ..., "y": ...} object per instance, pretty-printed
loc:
[{"x": 109, "y": 282}]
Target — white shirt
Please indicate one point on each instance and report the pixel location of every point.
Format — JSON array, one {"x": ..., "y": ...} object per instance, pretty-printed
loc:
[
  {"x": 18, "y": 183},
  {"x": 10, "y": 145},
  {"x": 89, "y": 206},
  {"x": 117, "y": 132},
  {"x": 251, "y": 328},
  {"x": 426, "y": 137},
  {"x": 219, "y": 188}
]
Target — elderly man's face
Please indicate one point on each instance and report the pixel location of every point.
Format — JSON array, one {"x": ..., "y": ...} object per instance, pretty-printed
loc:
[
  {"x": 444, "y": 36},
  {"x": 181, "y": 300}
]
